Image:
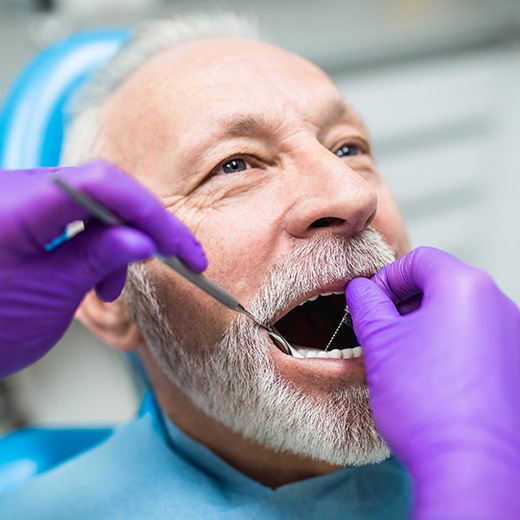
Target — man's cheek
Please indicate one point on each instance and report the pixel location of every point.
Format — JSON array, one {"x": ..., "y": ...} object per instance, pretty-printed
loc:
[
  {"x": 194, "y": 316},
  {"x": 389, "y": 224}
]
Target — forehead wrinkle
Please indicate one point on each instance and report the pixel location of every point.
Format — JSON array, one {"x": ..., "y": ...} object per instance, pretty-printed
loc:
[{"x": 247, "y": 125}]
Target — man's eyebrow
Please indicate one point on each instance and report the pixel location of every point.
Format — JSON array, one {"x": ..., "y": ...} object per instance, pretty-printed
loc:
[
  {"x": 258, "y": 124},
  {"x": 247, "y": 125},
  {"x": 334, "y": 111}
]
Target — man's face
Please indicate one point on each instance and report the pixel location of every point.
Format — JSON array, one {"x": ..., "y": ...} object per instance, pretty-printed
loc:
[{"x": 258, "y": 153}]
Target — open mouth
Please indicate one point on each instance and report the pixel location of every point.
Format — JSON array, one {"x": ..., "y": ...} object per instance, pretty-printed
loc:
[{"x": 310, "y": 326}]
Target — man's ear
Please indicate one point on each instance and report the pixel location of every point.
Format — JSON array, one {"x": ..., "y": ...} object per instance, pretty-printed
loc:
[{"x": 111, "y": 322}]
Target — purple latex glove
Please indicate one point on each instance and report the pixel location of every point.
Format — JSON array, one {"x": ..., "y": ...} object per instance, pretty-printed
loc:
[
  {"x": 444, "y": 379},
  {"x": 39, "y": 290}
]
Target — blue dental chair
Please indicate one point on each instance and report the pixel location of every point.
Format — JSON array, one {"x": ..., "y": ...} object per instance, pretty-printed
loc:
[
  {"x": 32, "y": 123},
  {"x": 32, "y": 119}
]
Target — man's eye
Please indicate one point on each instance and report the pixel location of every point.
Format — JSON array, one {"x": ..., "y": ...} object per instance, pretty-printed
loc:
[
  {"x": 348, "y": 150},
  {"x": 234, "y": 166}
]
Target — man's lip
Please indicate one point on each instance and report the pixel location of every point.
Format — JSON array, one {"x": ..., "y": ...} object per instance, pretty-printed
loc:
[
  {"x": 330, "y": 371},
  {"x": 336, "y": 287}
]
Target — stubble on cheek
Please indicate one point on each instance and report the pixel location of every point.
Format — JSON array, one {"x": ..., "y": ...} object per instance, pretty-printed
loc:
[{"x": 195, "y": 317}]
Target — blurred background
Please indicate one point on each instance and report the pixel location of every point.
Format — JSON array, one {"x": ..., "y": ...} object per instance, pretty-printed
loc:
[{"x": 438, "y": 82}]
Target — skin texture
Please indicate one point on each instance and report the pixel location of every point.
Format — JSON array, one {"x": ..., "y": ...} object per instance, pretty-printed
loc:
[{"x": 286, "y": 119}]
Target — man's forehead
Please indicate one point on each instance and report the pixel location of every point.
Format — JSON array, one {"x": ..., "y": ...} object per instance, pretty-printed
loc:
[
  {"x": 213, "y": 63},
  {"x": 176, "y": 95},
  {"x": 258, "y": 123}
]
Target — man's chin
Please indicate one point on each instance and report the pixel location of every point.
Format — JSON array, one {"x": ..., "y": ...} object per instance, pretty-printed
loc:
[{"x": 314, "y": 408}]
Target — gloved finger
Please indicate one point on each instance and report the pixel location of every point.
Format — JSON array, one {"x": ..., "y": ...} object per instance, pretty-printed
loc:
[
  {"x": 111, "y": 286},
  {"x": 370, "y": 307},
  {"x": 32, "y": 207},
  {"x": 422, "y": 270},
  {"x": 139, "y": 207},
  {"x": 100, "y": 250},
  {"x": 410, "y": 305},
  {"x": 192, "y": 253}
]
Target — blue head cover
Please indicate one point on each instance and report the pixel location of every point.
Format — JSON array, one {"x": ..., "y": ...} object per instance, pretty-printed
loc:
[{"x": 32, "y": 119}]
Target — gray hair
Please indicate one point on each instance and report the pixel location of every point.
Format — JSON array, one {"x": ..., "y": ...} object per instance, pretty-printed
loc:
[{"x": 83, "y": 137}]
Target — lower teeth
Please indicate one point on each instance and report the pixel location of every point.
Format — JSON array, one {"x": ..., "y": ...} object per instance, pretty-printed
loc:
[{"x": 308, "y": 352}]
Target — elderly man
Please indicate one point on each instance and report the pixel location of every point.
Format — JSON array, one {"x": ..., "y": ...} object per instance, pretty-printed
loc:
[{"x": 259, "y": 155}]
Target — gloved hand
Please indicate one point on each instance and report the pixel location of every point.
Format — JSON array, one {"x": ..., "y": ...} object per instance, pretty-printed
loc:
[
  {"x": 39, "y": 290},
  {"x": 441, "y": 345}
]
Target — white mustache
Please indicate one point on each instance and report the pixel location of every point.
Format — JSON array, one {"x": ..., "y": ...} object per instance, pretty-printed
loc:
[{"x": 316, "y": 263}]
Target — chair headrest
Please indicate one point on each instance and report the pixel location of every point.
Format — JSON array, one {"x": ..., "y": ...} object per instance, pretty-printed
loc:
[{"x": 32, "y": 119}]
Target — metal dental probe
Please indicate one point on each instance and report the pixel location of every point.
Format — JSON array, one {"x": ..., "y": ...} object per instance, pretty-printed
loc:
[
  {"x": 225, "y": 298},
  {"x": 105, "y": 216},
  {"x": 347, "y": 319}
]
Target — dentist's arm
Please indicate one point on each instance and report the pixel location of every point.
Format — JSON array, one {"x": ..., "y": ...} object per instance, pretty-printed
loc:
[
  {"x": 442, "y": 349},
  {"x": 40, "y": 290}
]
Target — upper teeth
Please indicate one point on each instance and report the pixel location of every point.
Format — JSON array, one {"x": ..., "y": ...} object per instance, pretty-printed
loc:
[{"x": 312, "y": 298}]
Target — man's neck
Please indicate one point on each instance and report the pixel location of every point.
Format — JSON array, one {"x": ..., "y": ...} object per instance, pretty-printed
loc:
[{"x": 268, "y": 467}]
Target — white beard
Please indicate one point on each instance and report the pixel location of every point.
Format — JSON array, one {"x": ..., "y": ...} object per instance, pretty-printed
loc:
[{"x": 236, "y": 382}]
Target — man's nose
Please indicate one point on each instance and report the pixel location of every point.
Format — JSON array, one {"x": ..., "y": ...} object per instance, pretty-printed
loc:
[{"x": 328, "y": 196}]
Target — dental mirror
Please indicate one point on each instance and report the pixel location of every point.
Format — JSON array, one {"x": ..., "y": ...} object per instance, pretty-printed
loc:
[{"x": 280, "y": 341}]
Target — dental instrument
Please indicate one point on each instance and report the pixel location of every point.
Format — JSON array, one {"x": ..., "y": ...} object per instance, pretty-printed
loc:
[
  {"x": 105, "y": 216},
  {"x": 347, "y": 320}
]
